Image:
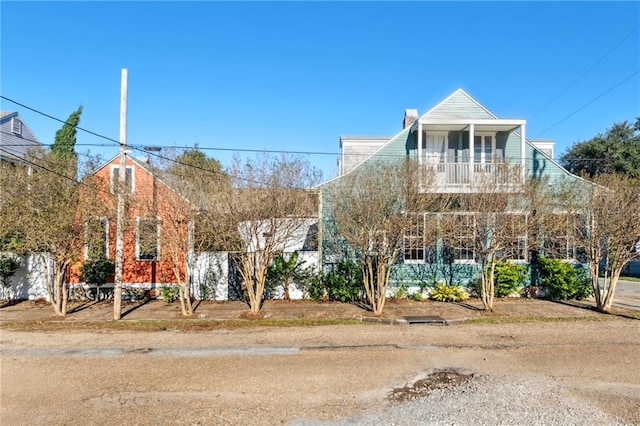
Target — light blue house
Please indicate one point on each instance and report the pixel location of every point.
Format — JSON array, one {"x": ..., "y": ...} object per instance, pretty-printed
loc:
[
  {"x": 16, "y": 139},
  {"x": 461, "y": 143}
]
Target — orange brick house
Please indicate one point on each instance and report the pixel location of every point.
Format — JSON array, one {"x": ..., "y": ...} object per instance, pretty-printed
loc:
[{"x": 157, "y": 231}]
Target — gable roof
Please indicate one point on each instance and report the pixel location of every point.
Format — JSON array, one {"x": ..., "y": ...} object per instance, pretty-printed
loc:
[
  {"x": 459, "y": 104},
  {"x": 457, "y": 107},
  {"x": 146, "y": 168},
  {"x": 15, "y": 146}
]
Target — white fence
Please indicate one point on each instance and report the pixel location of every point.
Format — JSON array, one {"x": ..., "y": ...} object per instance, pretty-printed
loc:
[
  {"x": 30, "y": 280},
  {"x": 214, "y": 277}
]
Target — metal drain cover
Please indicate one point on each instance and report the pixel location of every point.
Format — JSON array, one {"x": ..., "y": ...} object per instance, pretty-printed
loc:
[{"x": 421, "y": 319}]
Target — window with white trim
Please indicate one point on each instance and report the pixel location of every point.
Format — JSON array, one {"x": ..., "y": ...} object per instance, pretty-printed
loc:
[
  {"x": 459, "y": 231},
  {"x": 96, "y": 238},
  {"x": 129, "y": 178},
  {"x": 561, "y": 237},
  {"x": 414, "y": 250},
  {"x": 513, "y": 226},
  {"x": 147, "y": 238},
  {"x": 484, "y": 148}
]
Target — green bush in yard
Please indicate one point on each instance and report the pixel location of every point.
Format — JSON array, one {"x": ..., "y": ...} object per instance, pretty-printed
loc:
[
  {"x": 448, "y": 293},
  {"x": 563, "y": 280},
  {"x": 509, "y": 278},
  {"x": 96, "y": 271},
  {"x": 342, "y": 284}
]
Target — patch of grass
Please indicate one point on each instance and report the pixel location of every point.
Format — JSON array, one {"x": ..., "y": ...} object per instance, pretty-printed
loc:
[
  {"x": 636, "y": 279},
  {"x": 163, "y": 325},
  {"x": 505, "y": 319}
]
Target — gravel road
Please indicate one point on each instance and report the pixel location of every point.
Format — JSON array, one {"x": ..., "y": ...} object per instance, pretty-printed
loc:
[{"x": 574, "y": 372}]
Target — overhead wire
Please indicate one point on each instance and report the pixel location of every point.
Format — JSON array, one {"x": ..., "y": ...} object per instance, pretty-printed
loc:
[
  {"x": 598, "y": 62},
  {"x": 69, "y": 178},
  {"x": 589, "y": 103},
  {"x": 59, "y": 120}
]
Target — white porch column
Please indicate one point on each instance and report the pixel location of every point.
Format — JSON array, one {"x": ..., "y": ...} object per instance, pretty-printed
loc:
[
  {"x": 472, "y": 131},
  {"x": 419, "y": 142},
  {"x": 523, "y": 172}
]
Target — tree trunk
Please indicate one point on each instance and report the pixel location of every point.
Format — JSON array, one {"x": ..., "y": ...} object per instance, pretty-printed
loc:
[
  {"x": 286, "y": 289},
  {"x": 608, "y": 297},
  {"x": 488, "y": 287}
]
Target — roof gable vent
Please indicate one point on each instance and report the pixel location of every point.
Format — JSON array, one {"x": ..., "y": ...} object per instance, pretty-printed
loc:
[{"x": 16, "y": 126}]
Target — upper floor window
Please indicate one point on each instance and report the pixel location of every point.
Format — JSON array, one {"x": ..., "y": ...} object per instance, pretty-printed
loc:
[
  {"x": 129, "y": 178},
  {"x": 96, "y": 238},
  {"x": 16, "y": 126}
]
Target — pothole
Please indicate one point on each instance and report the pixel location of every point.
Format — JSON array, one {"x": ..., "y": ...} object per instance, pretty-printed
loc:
[{"x": 439, "y": 379}]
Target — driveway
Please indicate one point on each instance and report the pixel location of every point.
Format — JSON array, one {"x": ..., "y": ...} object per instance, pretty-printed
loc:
[{"x": 627, "y": 295}]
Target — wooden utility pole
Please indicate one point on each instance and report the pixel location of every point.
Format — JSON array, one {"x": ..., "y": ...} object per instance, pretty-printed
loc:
[{"x": 120, "y": 188}]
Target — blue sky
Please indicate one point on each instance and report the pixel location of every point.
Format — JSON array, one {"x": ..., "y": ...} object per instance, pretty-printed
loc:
[{"x": 295, "y": 75}]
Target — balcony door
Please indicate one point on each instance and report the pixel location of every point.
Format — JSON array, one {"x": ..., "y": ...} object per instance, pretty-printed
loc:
[
  {"x": 484, "y": 148},
  {"x": 434, "y": 148}
]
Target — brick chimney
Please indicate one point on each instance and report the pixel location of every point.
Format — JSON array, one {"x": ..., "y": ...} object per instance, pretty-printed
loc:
[{"x": 410, "y": 116}]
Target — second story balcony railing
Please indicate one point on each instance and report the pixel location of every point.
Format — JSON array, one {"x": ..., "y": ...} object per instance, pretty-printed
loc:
[{"x": 471, "y": 177}]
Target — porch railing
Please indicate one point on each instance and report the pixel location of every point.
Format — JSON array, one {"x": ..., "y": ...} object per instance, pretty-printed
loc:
[{"x": 479, "y": 176}]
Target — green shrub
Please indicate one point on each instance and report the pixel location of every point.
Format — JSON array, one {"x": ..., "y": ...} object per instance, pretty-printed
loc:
[
  {"x": 563, "y": 280},
  {"x": 416, "y": 296},
  {"x": 8, "y": 267},
  {"x": 96, "y": 271},
  {"x": 401, "y": 292},
  {"x": 509, "y": 278},
  {"x": 169, "y": 293},
  {"x": 448, "y": 293},
  {"x": 314, "y": 288},
  {"x": 342, "y": 284}
]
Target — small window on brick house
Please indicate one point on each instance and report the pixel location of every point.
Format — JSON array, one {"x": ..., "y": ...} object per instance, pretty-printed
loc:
[
  {"x": 128, "y": 179},
  {"x": 148, "y": 238}
]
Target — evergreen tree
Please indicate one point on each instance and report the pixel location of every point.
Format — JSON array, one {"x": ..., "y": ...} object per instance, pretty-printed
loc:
[
  {"x": 615, "y": 151},
  {"x": 64, "y": 145}
]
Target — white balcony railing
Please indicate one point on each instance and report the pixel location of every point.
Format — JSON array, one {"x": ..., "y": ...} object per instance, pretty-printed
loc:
[{"x": 472, "y": 177}]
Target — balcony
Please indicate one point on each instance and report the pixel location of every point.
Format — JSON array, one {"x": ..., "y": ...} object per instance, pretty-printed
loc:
[{"x": 472, "y": 177}]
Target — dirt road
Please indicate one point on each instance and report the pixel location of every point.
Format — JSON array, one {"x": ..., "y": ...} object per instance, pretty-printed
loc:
[{"x": 277, "y": 375}]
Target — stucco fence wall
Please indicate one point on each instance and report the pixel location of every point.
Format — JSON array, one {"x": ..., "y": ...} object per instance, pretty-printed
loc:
[{"x": 214, "y": 276}]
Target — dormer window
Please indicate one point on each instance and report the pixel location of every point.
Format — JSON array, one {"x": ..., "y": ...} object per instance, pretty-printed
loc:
[{"x": 16, "y": 126}]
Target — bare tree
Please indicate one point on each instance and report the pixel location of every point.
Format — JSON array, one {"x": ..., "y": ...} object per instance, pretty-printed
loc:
[
  {"x": 193, "y": 183},
  {"x": 610, "y": 232},
  {"x": 370, "y": 210},
  {"x": 496, "y": 222},
  {"x": 47, "y": 208},
  {"x": 268, "y": 207}
]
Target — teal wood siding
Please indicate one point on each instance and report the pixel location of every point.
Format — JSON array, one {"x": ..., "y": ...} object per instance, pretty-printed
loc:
[
  {"x": 512, "y": 146},
  {"x": 538, "y": 165},
  {"x": 461, "y": 106},
  {"x": 397, "y": 148}
]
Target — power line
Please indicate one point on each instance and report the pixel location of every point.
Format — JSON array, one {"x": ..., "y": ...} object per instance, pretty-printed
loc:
[
  {"x": 585, "y": 73},
  {"x": 74, "y": 180},
  {"x": 141, "y": 149},
  {"x": 588, "y": 103},
  {"x": 57, "y": 119}
]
